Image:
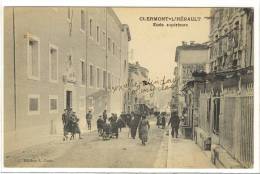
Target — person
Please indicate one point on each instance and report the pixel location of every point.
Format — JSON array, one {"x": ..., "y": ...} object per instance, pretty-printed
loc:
[
  {"x": 114, "y": 126},
  {"x": 106, "y": 130},
  {"x": 159, "y": 120},
  {"x": 88, "y": 118},
  {"x": 74, "y": 125},
  {"x": 163, "y": 121},
  {"x": 174, "y": 121},
  {"x": 143, "y": 128},
  {"x": 105, "y": 115},
  {"x": 100, "y": 123},
  {"x": 65, "y": 116},
  {"x": 120, "y": 123},
  {"x": 134, "y": 125}
]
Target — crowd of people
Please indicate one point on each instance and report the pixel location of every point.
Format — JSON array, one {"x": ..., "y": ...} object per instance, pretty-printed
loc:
[
  {"x": 70, "y": 124},
  {"x": 110, "y": 127}
]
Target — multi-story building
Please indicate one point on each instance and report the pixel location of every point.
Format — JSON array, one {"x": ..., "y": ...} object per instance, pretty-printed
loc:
[
  {"x": 57, "y": 58},
  {"x": 138, "y": 75},
  {"x": 226, "y": 100},
  {"x": 189, "y": 58}
]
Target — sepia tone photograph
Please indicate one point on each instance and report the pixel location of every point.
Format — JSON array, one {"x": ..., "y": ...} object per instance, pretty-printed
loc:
[{"x": 105, "y": 87}]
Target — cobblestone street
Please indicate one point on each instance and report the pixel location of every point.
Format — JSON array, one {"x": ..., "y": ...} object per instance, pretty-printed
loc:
[{"x": 124, "y": 152}]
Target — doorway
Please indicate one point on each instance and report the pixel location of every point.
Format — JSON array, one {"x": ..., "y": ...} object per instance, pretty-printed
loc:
[{"x": 68, "y": 99}]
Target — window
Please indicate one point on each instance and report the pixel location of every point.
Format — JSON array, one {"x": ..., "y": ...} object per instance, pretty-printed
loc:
[
  {"x": 69, "y": 14},
  {"x": 91, "y": 74},
  {"x": 82, "y": 19},
  {"x": 109, "y": 43},
  {"x": 53, "y": 63},
  {"x": 109, "y": 80},
  {"x": 124, "y": 65},
  {"x": 114, "y": 48},
  {"x": 216, "y": 115},
  {"x": 83, "y": 72},
  {"x": 33, "y": 58},
  {"x": 53, "y": 104},
  {"x": 98, "y": 34},
  {"x": 98, "y": 78},
  {"x": 90, "y": 28},
  {"x": 33, "y": 104},
  {"x": 104, "y": 79},
  {"x": 104, "y": 39}
]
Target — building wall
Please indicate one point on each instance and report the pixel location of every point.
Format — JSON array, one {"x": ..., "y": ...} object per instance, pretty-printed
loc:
[
  {"x": 60, "y": 28},
  {"x": 9, "y": 94},
  {"x": 231, "y": 36},
  {"x": 189, "y": 58}
]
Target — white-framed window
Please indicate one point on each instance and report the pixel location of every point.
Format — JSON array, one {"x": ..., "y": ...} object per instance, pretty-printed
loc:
[
  {"x": 53, "y": 63},
  {"x": 109, "y": 43},
  {"x": 91, "y": 75},
  {"x": 113, "y": 48},
  {"x": 104, "y": 79},
  {"x": 91, "y": 28},
  {"x": 109, "y": 80},
  {"x": 104, "y": 39},
  {"x": 33, "y": 104},
  {"x": 82, "y": 72},
  {"x": 98, "y": 34},
  {"x": 53, "y": 104},
  {"x": 33, "y": 58},
  {"x": 69, "y": 14},
  {"x": 125, "y": 65},
  {"x": 98, "y": 78},
  {"x": 82, "y": 20}
]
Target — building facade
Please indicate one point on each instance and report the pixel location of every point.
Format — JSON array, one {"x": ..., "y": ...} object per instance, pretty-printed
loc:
[
  {"x": 189, "y": 58},
  {"x": 57, "y": 58},
  {"x": 137, "y": 93},
  {"x": 226, "y": 100}
]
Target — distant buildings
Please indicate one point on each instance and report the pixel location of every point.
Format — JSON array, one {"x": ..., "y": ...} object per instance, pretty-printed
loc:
[
  {"x": 57, "y": 58},
  {"x": 138, "y": 75}
]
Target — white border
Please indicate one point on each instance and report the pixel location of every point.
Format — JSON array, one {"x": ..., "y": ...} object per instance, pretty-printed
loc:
[{"x": 151, "y": 3}]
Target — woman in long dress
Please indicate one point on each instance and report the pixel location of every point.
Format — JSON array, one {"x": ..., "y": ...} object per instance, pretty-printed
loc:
[{"x": 143, "y": 128}]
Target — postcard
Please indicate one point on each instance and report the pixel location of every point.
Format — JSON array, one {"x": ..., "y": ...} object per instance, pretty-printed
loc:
[{"x": 128, "y": 87}]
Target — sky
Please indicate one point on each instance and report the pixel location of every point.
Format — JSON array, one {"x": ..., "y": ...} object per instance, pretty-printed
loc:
[{"x": 154, "y": 47}]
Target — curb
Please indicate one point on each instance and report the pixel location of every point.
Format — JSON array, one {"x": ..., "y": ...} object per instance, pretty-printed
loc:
[{"x": 168, "y": 150}]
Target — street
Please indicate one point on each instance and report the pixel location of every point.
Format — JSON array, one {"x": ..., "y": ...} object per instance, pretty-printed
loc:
[{"x": 124, "y": 152}]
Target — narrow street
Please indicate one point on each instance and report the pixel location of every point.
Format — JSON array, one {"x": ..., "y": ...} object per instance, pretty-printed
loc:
[{"x": 124, "y": 152}]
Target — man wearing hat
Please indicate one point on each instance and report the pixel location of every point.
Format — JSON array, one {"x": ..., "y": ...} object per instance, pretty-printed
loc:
[
  {"x": 174, "y": 121},
  {"x": 100, "y": 124},
  {"x": 88, "y": 118}
]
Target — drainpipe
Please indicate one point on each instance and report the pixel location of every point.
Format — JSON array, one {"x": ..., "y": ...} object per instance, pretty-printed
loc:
[
  {"x": 106, "y": 92},
  {"x": 15, "y": 121},
  {"x": 86, "y": 58}
]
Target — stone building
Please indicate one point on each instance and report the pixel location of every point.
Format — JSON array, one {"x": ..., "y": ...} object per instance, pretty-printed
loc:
[
  {"x": 226, "y": 100},
  {"x": 189, "y": 58},
  {"x": 57, "y": 58},
  {"x": 138, "y": 75}
]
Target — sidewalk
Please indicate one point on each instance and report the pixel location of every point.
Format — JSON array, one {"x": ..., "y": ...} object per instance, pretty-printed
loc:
[
  {"x": 184, "y": 153},
  {"x": 14, "y": 141}
]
